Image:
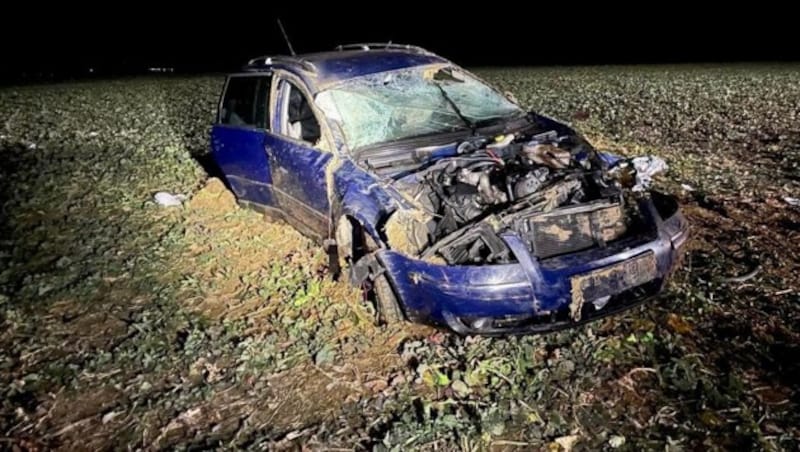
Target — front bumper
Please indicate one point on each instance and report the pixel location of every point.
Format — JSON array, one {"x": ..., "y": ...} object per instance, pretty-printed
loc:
[{"x": 532, "y": 296}]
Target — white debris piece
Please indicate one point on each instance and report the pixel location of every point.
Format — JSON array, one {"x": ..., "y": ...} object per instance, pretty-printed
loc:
[
  {"x": 647, "y": 167},
  {"x": 616, "y": 441},
  {"x": 168, "y": 199},
  {"x": 791, "y": 201},
  {"x": 637, "y": 173},
  {"x": 687, "y": 187}
]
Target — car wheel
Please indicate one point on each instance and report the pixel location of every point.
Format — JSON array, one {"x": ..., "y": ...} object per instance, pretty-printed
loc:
[
  {"x": 352, "y": 245},
  {"x": 344, "y": 242},
  {"x": 388, "y": 310}
]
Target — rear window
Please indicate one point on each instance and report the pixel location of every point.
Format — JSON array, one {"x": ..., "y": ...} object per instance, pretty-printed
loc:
[{"x": 246, "y": 101}]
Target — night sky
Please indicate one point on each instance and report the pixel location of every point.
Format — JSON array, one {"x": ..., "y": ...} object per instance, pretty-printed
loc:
[{"x": 125, "y": 40}]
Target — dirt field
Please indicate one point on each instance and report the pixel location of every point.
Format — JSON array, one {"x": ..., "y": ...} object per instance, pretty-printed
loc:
[{"x": 129, "y": 325}]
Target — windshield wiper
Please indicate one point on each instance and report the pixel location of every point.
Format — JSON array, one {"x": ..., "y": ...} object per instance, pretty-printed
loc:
[
  {"x": 497, "y": 120},
  {"x": 452, "y": 104}
]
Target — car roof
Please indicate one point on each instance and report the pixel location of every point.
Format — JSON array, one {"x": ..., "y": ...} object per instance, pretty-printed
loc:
[{"x": 346, "y": 62}]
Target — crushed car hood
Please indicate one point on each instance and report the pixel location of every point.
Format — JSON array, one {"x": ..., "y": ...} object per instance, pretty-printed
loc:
[{"x": 553, "y": 190}]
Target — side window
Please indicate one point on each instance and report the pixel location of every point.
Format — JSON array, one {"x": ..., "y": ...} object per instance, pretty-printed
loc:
[
  {"x": 298, "y": 119},
  {"x": 245, "y": 102}
]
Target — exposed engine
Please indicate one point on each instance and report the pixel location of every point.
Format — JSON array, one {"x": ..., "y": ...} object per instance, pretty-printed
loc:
[{"x": 552, "y": 191}]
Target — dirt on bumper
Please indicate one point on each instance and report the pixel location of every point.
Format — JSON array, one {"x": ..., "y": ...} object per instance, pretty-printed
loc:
[{"x": 532, "y": 296}]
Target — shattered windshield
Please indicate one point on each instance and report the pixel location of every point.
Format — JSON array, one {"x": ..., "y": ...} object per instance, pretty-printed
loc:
[{"x": 411, "y": 102}]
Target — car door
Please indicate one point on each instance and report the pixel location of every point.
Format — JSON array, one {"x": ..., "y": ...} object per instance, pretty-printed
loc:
[
  {"x": 238, "y": 138},
  {"x": 299, "y": 157}
]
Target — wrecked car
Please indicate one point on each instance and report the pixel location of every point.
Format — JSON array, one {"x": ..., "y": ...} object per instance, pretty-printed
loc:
[{"x": 443, "y": 198}]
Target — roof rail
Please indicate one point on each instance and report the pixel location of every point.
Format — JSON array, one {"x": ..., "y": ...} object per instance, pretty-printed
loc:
[
  {"x": 268, "y": 60},
  {"x": 380, "y": 45}
]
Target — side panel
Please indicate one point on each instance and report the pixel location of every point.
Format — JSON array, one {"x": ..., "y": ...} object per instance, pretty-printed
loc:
[
  {"x": 242, "y": 157},
  {"x": 298, "y": 169},
  {"x": 300, "y": 185}
]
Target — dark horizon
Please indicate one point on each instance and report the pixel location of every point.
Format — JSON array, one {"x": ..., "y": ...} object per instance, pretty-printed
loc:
[{"x": 86, "y": 47}]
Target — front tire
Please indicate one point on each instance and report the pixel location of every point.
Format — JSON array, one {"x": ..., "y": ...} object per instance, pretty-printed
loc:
[
  {"x": 353, "y": 244},
  {"x": 387, "y": 307}
]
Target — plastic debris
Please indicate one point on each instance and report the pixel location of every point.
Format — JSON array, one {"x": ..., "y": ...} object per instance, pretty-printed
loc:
[
  {"x": 687, "y": 187},
  {"x": 646, "y": 168},
  {"x": 641, "y": 170},
  {"x": 791, "y": 201},
  {"x": 165, "y": 199}
]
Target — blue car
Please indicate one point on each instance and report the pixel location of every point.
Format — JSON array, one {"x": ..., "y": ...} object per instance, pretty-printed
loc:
[{"x": 439, "y": 195}]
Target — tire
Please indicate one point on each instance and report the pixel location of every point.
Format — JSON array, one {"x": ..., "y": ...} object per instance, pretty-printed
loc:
[
  {"x": 352, "y": 245},
  {"x": 388, "y": 310},
  {"x": 344, "y": 243}
]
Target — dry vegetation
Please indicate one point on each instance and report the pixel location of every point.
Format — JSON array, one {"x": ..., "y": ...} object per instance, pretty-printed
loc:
[{"x": 125, "y": 324}]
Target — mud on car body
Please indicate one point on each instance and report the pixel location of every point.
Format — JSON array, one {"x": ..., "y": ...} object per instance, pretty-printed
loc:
[{"x": 449, "y": 202}]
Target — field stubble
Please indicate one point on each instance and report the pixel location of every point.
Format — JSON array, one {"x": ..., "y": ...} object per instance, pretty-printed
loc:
[{"x": 124, "y": 323}]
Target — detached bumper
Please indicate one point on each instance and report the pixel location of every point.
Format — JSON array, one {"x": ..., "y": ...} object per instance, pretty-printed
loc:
[{"x": 533, "y": 296}]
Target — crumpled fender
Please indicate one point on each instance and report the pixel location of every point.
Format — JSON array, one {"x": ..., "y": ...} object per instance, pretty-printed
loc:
[{"x": 363, "y": 198}]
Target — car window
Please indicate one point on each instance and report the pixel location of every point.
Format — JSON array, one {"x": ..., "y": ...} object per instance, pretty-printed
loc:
[
  {"x": 246, "y": 100},
  {"x": 298, "y": 120}
]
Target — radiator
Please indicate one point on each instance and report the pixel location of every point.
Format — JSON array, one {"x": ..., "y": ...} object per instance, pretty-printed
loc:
[{"x": 574, "y": 228}]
